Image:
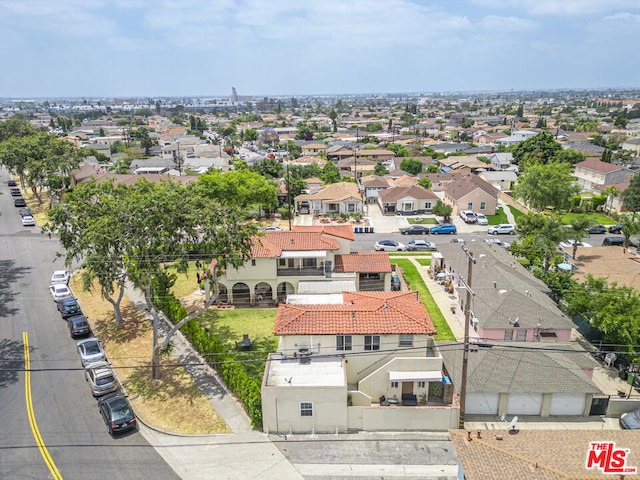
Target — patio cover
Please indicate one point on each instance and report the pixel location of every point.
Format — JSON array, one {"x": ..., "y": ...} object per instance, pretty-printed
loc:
[
  {"x": 304, "y": 254},
  {"x": 422, "y": 376}
]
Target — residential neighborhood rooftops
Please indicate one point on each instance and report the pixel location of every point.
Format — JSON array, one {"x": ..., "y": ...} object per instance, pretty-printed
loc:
[
  {"x": 382, "y": 313},
  {"x": 274, "y": 243},
  {"x": 363, "y": 262},
  {"x": 613, "y": 263}
]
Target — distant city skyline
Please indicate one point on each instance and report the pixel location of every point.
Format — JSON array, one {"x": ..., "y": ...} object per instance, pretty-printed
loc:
[{"x": 164, "y": 48}]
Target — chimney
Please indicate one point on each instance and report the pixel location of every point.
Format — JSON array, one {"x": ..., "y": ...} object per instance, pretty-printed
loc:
[
  {"x": 495, "y": 285},
  {"x": 469, "y": 435},
  {"x": 479, "y": 434},
  {"x": 384, "y": 306},
  {"x": 353, "y": 315}
]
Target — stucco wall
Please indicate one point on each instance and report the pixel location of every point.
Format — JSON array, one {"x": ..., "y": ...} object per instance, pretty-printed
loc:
[{"x": 390, "y": 418}]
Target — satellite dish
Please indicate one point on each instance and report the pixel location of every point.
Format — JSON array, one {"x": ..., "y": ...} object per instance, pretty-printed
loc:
[{"x": 512, "y": 424}]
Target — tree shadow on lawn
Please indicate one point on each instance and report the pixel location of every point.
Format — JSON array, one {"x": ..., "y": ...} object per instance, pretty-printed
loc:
[
  {"x": 132, "y": 326},
  {"x": 174, "y": 384}
]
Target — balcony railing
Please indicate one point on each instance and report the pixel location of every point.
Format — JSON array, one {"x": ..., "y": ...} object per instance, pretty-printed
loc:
[{"x": 301, "y": 272}]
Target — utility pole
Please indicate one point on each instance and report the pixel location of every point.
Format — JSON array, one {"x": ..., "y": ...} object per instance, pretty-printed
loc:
[
  {"x": 289, "y": 194},
  {"x": 467, "y": 318}
]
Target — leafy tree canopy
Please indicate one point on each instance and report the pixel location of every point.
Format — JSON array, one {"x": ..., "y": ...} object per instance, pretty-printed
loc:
[
  {"x": 631, "y": 195},
  {"x": 411, "y": 165},
  {"x": 542, "y": 185},
  {"x": 543, "y": 146}
]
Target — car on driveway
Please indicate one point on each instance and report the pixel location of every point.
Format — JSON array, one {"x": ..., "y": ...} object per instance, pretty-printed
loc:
[
  {"x": 390, "y": 246},
  {"x": 19, "y": 202},
  {"x": 68, "y": 307},
  {"x": 615, "y": 229},
  {"x": 415, "y": 230},
  {"x": 468, "y": 216},
  {"x": 421, "y": 245},
  {"x": 28, "y": 221},
  {"x": 503, "y": 228},
  {"x": 60, "y": 276},
  {"x": 90, "y": 351},
  {"x": 596, "y": 229},
  {"x": 630, "y": 420},
  {"x": 25, "y": 211},
  {"x": 444, "y": 228},
  {"x": 117, "y": 413},
  {"x": 100, "y": 378},
  {"x": 78, "y": 326},
  {"x": 482, "y": 219},
  {"x": 60, "y": 292}
]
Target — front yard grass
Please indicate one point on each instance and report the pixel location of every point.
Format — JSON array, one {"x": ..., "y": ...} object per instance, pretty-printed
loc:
[
  {"x": 594, "y": 217},
  {"x": 409, "y": 254},
  {"x": 422, "y": 221},
  {"x": 173, "y": 403},
  {"x": 413, "y": 278},
  {"x": 498, "y": 218}
]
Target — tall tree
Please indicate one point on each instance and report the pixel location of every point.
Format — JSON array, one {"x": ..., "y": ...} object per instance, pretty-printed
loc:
[
  {"x": 611, "y": 192},
  {"x": 630, "y": 226},
  {"x": 380, "y": 169},
  {"x": 578, "y": 232},
  {"x": 411, "y": 165},
  {"x": 330, "y": 173},
  {"x": 243, "y": 187},
  {"x": 443, "y": 210},
  {"x": 543, "y": 185},
  {"x": 631, "y": 194},
  {"x": 542, "y": 146}
]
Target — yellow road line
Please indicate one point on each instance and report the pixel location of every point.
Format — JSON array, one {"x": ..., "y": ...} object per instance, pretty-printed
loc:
[{"x": 55, "y": 474}]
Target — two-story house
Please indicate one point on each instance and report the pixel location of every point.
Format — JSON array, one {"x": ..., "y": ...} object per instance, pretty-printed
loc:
[
  {"x": 367, "y": 363},
  {"x": 595, "y": 174}
]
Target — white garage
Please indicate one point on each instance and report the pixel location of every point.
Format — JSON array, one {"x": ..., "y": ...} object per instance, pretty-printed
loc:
[
  {"x": 482, "y": 403},
  {"x": 567, "y": 404},
  {"x": 524, "y": 404}
]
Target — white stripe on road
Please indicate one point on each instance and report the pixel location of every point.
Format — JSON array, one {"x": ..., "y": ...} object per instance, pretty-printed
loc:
[{"x": 350, "y": 470}]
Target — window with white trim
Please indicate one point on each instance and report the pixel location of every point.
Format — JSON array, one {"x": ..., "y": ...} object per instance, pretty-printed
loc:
[
  {"x": 508, "y": 335},
  {"x": 483, "y": 205},
  {"x": 306, "y": 409},
  {"x": 371, "y": 342},
  {"x": 421, "y": 384},
  {"x": 394, "y": 384},
  {"x": 344, "y": 343},
  {"x": 521, "y": 335},
  {"x": 405, "y": 341}
]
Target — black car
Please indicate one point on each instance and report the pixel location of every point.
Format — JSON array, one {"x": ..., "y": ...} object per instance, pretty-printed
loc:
[
  {"x": 25, "y": 212},
  {"x": 12, "y": 183},
  {"x": 15, "y": 192},
  {"x": 597, "y": 229},
  {"x": 415, "y": 230},
  {"x": 19, "y": 202},
  {"x": 68, "y": 307},
  {"x": 78, "y": 326},
  {"x": 615, "y": 228},
  {"x": 117, "y": 413}
]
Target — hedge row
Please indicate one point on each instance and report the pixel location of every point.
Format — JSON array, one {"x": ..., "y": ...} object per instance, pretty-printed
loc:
[{"x": 246, "y": 388}]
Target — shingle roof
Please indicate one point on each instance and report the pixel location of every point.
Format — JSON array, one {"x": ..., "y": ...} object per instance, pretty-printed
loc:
[
  {"x": 363, "y": 313},
  {"x": 363, "y": 262},
  {"x": 272, "y": 244},
  {"x": 414, "y": 191},
  {"x": 599, "y": 166},
  {"x": 537, "y": 454},
  {"x": 468, "y": 183},
  {"x": 335, "y": 191}
]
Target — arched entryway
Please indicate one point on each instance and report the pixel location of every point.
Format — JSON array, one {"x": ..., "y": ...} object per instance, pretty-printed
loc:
[
  {"x": 284, "y": 289},
  {"x": 241, "y": 293},
  {"x": 223, "y": 296},
  {"x": 263, "y": 292}
]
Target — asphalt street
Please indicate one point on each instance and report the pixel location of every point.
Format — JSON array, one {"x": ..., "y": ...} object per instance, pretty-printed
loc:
[{"x": 68, "y": 438}]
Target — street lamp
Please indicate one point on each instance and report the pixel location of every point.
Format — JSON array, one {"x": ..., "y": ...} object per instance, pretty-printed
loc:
[{"x": 471, "y": 260}]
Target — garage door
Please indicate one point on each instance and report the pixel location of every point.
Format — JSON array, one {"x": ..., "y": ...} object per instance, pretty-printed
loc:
[
  {"x": 524, "y": 404},
  {"x": 482, "y": 403},
  {"x": 567, "y": 404}
]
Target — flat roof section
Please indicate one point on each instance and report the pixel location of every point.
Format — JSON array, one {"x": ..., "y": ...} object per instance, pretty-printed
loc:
[{"x": 306, "y": 371}]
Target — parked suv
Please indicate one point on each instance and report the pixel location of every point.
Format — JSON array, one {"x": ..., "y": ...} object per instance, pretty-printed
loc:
[
  {"x": 502, "y": 228},
  {"x": 615, "y": 228}
]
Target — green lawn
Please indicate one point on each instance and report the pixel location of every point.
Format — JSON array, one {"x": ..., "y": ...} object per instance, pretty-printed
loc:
[
  {"x": 594, "y": 217},
  {"x": 498, "y": 218},
  {"x": 425, "y": 262},
  {"x": 410, "y": 254},
  {"x": 517, "y": 214},
  {"x": 413, "y": 278},
  {"x": 422, "y": 221},
  {"x": 230, "y": 325}
]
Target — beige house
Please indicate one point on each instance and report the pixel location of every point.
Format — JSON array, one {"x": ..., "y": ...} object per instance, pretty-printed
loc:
[
  {"x": 413, "y": 200},
  {"x": 336, "y": 198},
  {"x": 470, "y": 192},
  {"x": 593, "y": 174},
  {"x": 368, "y": 363},
  {"x": 283, "y": 261},
  {"x": 314, "y": 150}
]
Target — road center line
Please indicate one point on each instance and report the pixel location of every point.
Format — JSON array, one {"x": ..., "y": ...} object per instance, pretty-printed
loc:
[{"x": 55, "y": 474}]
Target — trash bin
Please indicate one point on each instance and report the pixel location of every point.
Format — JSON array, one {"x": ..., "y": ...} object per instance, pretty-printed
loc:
[
  {"x": 630, "y": 378},
  {"x": 366, "y": 229},
  {"x": 371, "y": 230}
]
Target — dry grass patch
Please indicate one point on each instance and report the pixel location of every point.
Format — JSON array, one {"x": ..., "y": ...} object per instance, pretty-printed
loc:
[{"x": 173, "y": 403}]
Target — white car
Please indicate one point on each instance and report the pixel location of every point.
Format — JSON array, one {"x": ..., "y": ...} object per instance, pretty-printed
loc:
[
  {"x": 481, "y": 218},
  {"x": 28, "y": 221},
  {"x": 60, "y": 291},
  {"x": 502, "y": 228},
  {"x": 390, "y": 246},
  {"x": 571, "y": 243},
  {"x": 90, "y": 351},
  {"x": 271, "y": 229},
  {"x": 60, "y": 276}
]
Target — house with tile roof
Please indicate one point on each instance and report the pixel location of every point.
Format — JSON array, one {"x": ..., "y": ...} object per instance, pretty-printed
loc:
[
  {"x": 367, "y": 363},
  {"x": 281, "y": 261},
  {"x": 592, "y": 174},
  {"x": 411, "y": 200},
  {"x": 336, "y": 198},
  {"x": 542, "y": 454}
]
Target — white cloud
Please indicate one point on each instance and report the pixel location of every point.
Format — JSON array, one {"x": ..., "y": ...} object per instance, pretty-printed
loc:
[
  {"x": 511, "y": 24},
  {"x": 559, "y": 7}
]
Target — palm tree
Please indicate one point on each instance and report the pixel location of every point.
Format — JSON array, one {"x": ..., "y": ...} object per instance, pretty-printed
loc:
[
  {"x": 630, "y": 226},
  {"x": 548, "y": 236},
  {"x": 578, "y": 231},
  {"x": 611, "y": 192}
]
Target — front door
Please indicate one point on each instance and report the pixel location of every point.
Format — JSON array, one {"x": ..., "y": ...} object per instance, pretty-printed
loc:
[{"x": 407, "y": 387}]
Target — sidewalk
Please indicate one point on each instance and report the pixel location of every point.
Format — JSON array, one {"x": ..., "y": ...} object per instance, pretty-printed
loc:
[{"x": 246, "y": 453}]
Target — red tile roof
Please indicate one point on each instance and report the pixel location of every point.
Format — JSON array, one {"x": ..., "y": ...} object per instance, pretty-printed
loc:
[
  {"x": 363, "y": 262},
  {"x": 340, "y": 231},
  {"x": 272, "y": 244},
  {"x": 363, "y": 313}
]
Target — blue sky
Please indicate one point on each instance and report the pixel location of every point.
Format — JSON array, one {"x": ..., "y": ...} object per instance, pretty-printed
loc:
[{"x": 294, "y": 47}]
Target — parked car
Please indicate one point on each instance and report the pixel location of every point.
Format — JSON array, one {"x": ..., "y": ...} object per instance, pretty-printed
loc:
[
  {"x": 15, "y": 192},
  {"x": 390, "y": 246},
  {"x": 117, "y": 413},
  {"x": 481, "y": 219},
  {"x": 25, "y": 212},
  {"x": 420, "y": 245},
  {"x": 493, "y": 241},
  {"x": 468, "y": 216},
  {"x": 630, "y": 420},
  {"x": 78, "y": 326},
  {"x": 415, "y": 230},
  {"x": 19, "y": 202},
  {"x": 60, "y": 276},
  {"x": 444, "y": 228},
  {"x": 615, "y": 228},
  {"x": 571, "y": 243},
  {"x": 68, "y": 307},
  {"x": 28, "y": 221},
  {"x": 11, "y": 182},
  {"x": 617, "y": 241},
  {"x": 597, "y": 229},
  {"x": 100, "y": 378},
  {"x": 90, "y": 351},
  {"x": 503, "y": 228},
  {"x": 60, "y": 291},
  {"x": 271, "y": 229}
]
